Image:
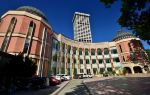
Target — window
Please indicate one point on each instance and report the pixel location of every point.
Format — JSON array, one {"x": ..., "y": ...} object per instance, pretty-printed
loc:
[
  {"x": 116, "y": 59},
  {"x": 120, "y": 48},
  {"x": 74, "y": 60},
  {"x": 106, "y": 52},
  {"x": 114, "y": 51},
  {"x": 29, "y": 35},
  {"x": 93, "y": 61},
  {"x": 130, "y": 48},
  {"x": 99, "y": 52},
  {"x": 80, "y": 51},
  {"x": 87, "y": 61},
  {"x": 100, "y": 61},
  {"x": 68, "y": 60},
  {"x": 69, "y": 48},
  {"x": 74, "y": 50},
  {"x": 92, "y": 51},
  {"x": 107, "y": 60},
  {"x": 109, "y": 69},
  {"x": 8, "y": 34},
  {"x": 81, "y": 61},
  {"x": 81, "y": 70},
  {"x": 123, "y": 59},
  {"x": 86, "y": 52}
]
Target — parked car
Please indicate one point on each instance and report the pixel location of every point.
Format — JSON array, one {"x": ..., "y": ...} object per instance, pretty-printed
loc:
[
  {"x": 58, "y": 77},
  {"x": 80, "y": 76},
  {"x": 39, "y": 82},
  {"x": 89, "y": 75},
  {"x": 53, "y": 81},
  {"x": 64, "y": 76}
]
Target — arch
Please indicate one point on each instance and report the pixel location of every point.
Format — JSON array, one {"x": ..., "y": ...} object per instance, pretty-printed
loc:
[
  {"x": 137, "y": 69},
  {"x": 127, "y": 70}
]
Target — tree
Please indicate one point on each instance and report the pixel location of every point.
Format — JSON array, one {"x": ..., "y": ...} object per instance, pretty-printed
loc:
[
  {"x": 135, "y": 16},
  {"x": 148, "y": 53},
  {"x": 14, "y": 68}
]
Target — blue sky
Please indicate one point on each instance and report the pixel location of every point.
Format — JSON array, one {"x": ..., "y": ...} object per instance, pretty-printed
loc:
[{"x": 103, "y": 20}]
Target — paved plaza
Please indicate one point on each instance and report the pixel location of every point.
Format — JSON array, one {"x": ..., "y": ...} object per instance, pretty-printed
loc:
[{"x": 119, "y": 86}]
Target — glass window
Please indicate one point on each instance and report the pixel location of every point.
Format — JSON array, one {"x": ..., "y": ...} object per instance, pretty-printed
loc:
[
  {"x": 81, "y": 61},
  {"x": 80, "y": 51},
  {"x": 74, "y": 60},
  {"x": 120, "y": 48},
  {"x": 93, "y": 61},
  {"x": 87, "y": 61},
  {"x": 8, "y": 34},
  {"x": 29, "y": 36},
  {"x": 106, "y": 52},
  {"x": 100, "y": 61},
  {"x": 107, "y": 60},
  {"x": 99, "y": 52},
  {"x": 92, "y": 51},
  {"x": 74, "y": 50},
  {"x": 86, "y": 52},
  {"x": 116, "y": 59},
  {"x": 114, "y": 51}
]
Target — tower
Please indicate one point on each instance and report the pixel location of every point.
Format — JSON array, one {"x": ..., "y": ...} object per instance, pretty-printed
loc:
[{"x": 81, "y": 26}]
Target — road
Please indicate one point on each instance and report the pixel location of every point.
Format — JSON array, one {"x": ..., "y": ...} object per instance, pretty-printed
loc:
[{"x": 75, "y": 87}]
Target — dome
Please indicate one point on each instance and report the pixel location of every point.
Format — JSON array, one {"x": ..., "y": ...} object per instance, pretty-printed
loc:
[
  {"x": 32, "y": 10},
  {"x": 123, "y": 35}
]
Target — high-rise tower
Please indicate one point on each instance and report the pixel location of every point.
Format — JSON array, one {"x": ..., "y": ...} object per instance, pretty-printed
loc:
[{"x": 81, "y": 26}]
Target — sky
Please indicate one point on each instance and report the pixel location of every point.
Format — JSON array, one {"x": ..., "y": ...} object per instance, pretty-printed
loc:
[{"x": 60, "y": 13}]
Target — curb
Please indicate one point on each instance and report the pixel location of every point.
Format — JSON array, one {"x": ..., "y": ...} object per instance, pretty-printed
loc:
[{"x": 59, "y": 89}]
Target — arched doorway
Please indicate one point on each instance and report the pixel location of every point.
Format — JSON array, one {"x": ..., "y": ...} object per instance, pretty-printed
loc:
[
  {"x": 137, "y": 69},
  {"x": 127, "y": 70}
]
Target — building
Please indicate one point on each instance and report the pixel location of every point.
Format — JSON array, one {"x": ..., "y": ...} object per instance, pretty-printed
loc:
[
  {"x": 81, "y": 26},
  {"x": 26, "y": 30}
]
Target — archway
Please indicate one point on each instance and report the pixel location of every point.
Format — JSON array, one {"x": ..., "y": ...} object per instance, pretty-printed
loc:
[
  {"x": 127, "y": 70},
  {"x": 137, "y": 69}
]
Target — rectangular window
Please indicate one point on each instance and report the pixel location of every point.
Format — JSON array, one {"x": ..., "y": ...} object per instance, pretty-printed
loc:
[
  {"x": 81, "y": 61},
  {"x": 93, "y": 61},
  {"x": 114, "y": 51},
  {"x": 100, "y": 61},
  {"x": 87, "y": 61},
  {"x": 107, "y": 60}
]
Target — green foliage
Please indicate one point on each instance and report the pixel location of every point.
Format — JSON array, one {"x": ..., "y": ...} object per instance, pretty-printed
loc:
[
  {"x": 135, "y": 15},
  {"x": 148, "y": 53},
  {"x": 15, "y": 67}
]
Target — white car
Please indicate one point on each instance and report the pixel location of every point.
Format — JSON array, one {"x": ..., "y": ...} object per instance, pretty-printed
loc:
[
  {"x": 66, "y": 77},
  {"x": 58, "y": 77},
  {"x": 89, "y": 75}
]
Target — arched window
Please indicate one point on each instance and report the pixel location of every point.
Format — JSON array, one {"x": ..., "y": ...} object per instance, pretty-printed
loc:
[
  {"x": 29, "y": 35},
  {"x": 8, "y": 34}
]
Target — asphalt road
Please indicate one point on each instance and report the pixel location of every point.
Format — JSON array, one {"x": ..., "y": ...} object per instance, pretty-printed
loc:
[{"x": 75, "y": 87}]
